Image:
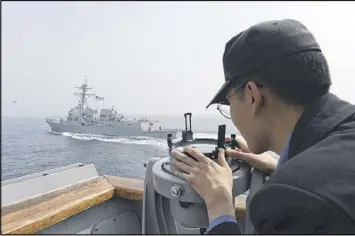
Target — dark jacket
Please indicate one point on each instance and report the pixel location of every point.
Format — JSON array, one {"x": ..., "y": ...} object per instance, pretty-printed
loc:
[{"x": 314, "y": 191}]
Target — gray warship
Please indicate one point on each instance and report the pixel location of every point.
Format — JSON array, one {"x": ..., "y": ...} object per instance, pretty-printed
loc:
[
  {"x": 74, "y": 199},
  {"x": 103, "y": 121}
]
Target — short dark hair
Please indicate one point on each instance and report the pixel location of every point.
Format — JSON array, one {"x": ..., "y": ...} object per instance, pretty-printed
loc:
[{"x": 297, "y": 79}]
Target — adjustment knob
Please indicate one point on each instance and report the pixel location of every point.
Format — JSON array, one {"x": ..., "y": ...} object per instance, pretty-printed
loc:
[{"x": 176, "y": 191}]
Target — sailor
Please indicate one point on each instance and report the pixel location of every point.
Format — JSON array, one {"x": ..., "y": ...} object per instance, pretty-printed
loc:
[{"x": 276, "y": 92}]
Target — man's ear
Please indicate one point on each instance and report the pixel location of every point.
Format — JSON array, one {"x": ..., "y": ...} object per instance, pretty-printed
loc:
[{"x": 255, "y": 97}]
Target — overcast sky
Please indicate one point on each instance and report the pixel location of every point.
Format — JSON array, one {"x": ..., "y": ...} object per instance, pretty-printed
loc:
[{"x": 153, "y": 57}]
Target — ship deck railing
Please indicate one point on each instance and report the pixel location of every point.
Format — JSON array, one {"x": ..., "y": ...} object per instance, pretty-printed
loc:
[{"x": 46, "y": 210}]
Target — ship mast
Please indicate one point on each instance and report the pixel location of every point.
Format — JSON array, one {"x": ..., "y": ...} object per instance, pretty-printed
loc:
[{"x": 83, "y": 96}]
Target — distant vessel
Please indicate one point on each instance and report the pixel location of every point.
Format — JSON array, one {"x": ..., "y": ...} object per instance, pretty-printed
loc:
[
  {"x": 84, "y": 119},
  {"x": 75, "y": 199}
]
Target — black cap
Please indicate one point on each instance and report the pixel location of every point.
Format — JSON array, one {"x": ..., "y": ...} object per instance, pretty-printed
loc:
[{"x": 259, "y": 45}]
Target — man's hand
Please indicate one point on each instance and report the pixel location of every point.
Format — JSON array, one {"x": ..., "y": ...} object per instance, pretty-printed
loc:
[
  {"x": 212, "y": 181},
  {"x": 263, "y": 162}
]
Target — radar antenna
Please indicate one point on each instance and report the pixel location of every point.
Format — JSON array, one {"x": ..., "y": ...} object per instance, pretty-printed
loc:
[{"x": 83, "y": 96}]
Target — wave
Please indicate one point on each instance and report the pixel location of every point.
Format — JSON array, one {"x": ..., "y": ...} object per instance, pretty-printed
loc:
[
  {"x": 137, "y": 140},
  {"x": 122, "y": 140},
  {"x": 53, "y": 132}
]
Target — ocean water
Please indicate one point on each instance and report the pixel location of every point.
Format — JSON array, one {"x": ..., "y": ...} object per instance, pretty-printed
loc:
[{"x": 28, "y": 146}]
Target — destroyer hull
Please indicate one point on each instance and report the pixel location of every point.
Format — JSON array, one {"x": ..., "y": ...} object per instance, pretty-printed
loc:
[{"x": 122, "y": 130}]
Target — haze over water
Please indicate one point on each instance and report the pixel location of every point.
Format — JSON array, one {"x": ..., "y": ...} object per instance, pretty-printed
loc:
[{"x": 156, "y": 58}]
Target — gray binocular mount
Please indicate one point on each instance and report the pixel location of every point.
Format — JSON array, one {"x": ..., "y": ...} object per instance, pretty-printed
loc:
[{"x": 171, "y": 205}]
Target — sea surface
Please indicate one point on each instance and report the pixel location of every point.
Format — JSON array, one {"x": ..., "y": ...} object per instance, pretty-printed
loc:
[{"x": 28, "y": 146}]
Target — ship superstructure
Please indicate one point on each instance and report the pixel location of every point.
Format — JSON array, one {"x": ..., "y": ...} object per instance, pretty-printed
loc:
[{"x": 105, "y": 121}]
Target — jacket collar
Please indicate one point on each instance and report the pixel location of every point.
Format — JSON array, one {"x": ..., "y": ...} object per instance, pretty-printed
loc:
[{"x": 317, "y": 121}]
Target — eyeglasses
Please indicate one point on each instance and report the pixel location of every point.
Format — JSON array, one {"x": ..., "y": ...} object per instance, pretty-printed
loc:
[{"x": 224, "y": 109}]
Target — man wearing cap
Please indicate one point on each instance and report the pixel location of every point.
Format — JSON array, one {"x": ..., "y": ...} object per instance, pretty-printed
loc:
[{"x": 276, "y": 92}]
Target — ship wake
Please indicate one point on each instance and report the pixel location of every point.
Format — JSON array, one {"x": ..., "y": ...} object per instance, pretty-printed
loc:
[
  {"x": 123, "y": 140},
  {"x": 137, "y": 140}
]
